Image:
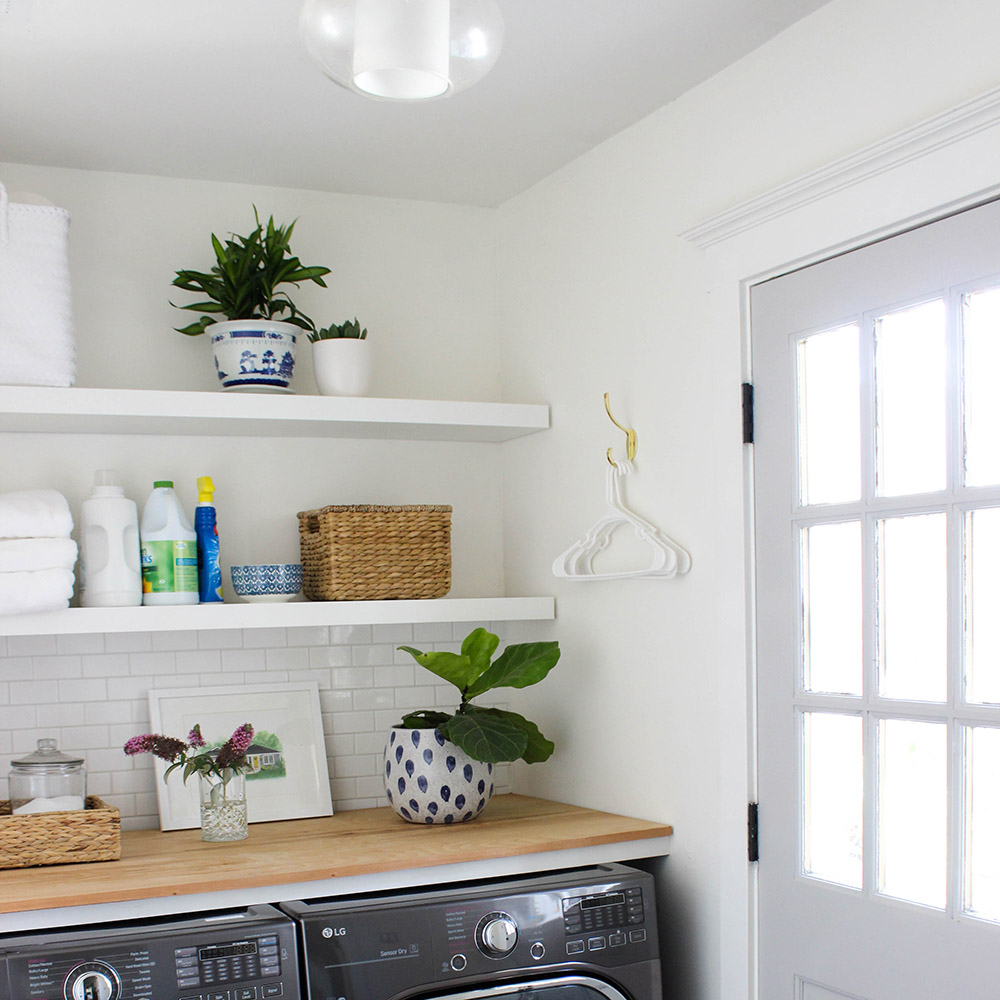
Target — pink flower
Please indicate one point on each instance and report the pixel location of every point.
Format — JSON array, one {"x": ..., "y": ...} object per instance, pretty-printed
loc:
[
  {"x": 195, "y": 739},
  {"x": 232, "y": 751},
  {"x": 140, "y": 744}
]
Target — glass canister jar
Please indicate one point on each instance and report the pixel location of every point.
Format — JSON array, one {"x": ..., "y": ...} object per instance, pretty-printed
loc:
[{"x": 47, "y": 781}]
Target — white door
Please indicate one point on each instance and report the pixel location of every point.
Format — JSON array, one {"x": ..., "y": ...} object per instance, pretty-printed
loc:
[{"x": 877, "y": 532}]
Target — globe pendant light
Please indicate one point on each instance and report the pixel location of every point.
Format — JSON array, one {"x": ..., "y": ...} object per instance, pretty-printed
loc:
[{"x": 403, "y": 50}]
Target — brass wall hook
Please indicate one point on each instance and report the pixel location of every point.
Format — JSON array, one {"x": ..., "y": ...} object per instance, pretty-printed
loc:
[{"x": 631, "y": 438}]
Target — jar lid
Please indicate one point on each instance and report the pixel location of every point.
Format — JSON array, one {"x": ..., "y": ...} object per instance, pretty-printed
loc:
[{"x": 48, "y": 755}]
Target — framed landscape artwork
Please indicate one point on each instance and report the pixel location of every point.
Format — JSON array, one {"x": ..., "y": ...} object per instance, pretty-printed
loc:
[{"x": 287, "y": 777}]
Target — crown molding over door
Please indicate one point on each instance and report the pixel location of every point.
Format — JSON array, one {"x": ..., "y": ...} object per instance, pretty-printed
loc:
[{"x": 952, "y": 126}]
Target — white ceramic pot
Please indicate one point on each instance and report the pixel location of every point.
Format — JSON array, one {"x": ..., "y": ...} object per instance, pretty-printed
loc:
[
  {"x": 343, "y": 366},
  {"x": 254, "y": 354},
  {"x": 430, "y": 780}
]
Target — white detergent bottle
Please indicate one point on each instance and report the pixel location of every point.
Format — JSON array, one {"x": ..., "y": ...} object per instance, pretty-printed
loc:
[
  {"x": 110, "y": 576},
  {"x": 169, "y": 549}
]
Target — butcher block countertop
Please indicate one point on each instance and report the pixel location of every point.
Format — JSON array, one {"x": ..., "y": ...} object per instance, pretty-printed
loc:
[{"x": 360, "y": 843}]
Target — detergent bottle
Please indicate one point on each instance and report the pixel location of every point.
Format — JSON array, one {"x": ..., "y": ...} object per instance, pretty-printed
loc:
[
  {"x": 169, "y": 549},
  {"x": 207, "y": 530}
]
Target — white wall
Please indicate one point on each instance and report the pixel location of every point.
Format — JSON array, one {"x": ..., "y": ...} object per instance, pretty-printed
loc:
[
  {"x": 420, "y": 276},
  {"x": 90, "y": 692},
  {"x": 600, "y": 294}
]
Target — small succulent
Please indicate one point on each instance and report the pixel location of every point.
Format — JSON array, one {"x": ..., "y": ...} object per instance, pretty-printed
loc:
[{"x": 348, "y": 330}]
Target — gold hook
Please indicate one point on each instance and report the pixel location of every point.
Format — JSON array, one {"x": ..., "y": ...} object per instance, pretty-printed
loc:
[{"x": 631, "y": 438}]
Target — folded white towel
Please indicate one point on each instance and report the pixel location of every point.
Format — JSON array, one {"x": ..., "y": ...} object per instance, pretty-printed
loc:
[
  {"x": 28, "y": 592},
  {"x": 34, "y": 514},
  {"x": 36, "y": 553}
]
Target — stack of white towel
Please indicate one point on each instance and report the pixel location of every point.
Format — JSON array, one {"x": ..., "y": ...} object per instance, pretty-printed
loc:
[{"x": 37, "y": 555}]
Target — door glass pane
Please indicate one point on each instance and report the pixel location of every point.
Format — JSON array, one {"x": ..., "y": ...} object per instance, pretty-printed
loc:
[
  {"x": 982, "y": 811},
  {"x": 912, "y": 607},
  {"x": 831, "y": 607},
  {"x": 981, "y": 348},
  {"x": 910, "y": 400},
  {"x": 834, "y": 790},
  {"x": 982, "y": 605},
  {"x": 912, "y": 803},
  {"x": 828, "y": 404}
]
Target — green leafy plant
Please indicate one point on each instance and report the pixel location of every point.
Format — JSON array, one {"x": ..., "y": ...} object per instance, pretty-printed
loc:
[
  {"x": 487, "y": 734},
  {"x": 347, "y": 330},
  {"x": 243, "y": 282}
]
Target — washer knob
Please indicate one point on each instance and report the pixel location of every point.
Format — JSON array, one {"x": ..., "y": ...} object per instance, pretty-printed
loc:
[
  {"x": 496, "y": 934},
  {"x": 92, "y": 981}
]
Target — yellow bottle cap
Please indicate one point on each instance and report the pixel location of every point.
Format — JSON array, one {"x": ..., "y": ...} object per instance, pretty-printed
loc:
[{"x": 206, "y": 489}]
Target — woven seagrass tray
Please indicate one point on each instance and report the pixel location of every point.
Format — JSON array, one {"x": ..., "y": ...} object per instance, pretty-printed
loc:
[
  {"x": 366, "y": 552},
  {"x": 60, "y": 838}
]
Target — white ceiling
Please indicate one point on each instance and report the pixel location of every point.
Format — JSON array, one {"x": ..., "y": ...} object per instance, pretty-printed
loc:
[{"x": 223, "y": 90}]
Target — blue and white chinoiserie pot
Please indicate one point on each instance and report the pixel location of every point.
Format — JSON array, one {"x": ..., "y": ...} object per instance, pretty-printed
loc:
[
  {"x": 254, "y": 355},
  {"x": 428, "y": 779}
]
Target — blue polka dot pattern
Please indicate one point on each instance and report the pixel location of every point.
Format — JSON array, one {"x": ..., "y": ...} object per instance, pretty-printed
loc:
[{"x": 420, "y": 783}]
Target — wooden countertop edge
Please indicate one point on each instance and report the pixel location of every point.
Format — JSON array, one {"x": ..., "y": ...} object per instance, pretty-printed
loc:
[{"x": 363, "y": 842}]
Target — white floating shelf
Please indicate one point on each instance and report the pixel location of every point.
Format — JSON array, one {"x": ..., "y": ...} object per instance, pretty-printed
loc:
[
  {"x": 291, "y": 615},
  {"x": 152, "y": 411}
]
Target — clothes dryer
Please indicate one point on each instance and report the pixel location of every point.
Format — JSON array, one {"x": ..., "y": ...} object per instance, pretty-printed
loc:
[{"x": 585, "y": 934}]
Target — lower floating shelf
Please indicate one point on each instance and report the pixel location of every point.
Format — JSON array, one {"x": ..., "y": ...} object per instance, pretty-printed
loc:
[{"x": 292, "y": 615}]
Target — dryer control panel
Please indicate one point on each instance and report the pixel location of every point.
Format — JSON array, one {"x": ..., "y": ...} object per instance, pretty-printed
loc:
[{"x": 242, "y": 955}]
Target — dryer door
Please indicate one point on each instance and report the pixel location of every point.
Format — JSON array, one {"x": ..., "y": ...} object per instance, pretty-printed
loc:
[{"x": 556, "y": 988}]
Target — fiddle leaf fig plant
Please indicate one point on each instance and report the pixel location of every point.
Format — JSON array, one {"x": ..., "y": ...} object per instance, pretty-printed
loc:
[
  {"x": 490, "y": 735},
  {"x": 243, "y": 282}
]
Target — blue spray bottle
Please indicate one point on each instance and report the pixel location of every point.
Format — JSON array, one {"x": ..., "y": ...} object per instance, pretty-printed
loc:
[{"x": 209, "y": 570}]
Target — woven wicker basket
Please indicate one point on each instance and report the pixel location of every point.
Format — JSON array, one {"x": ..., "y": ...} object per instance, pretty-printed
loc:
[
  {"x": 364, "y": 552},
  {"x": 60, "y": 838}
]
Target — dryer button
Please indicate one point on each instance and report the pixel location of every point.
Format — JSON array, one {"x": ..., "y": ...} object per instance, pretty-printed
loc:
[
  {"x": 537, "y": 951},
  {"x": 574, "y": 947},
  {"x": 458, "y": 962}
]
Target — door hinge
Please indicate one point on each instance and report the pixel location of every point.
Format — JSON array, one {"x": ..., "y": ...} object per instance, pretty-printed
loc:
[
  {"x": 752, "y": 852},
  {"x": 747, "y": 413}
]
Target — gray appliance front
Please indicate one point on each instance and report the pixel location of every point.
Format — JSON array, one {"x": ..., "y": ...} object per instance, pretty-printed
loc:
[
  {"x": 587, "y": 934},
  {"x": 240, "y": 955}
]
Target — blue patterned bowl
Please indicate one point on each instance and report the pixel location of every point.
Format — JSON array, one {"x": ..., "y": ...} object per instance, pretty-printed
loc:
[{"x": 267, "y": 582}]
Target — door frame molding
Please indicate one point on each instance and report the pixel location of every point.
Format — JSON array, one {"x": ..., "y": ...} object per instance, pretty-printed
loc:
[{"x": 939, "y": 167}]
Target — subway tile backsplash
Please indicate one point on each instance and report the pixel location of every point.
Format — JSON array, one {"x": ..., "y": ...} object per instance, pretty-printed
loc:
[{"x": 90, "y": 693}]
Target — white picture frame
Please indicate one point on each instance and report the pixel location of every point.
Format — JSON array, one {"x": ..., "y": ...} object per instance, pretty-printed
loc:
[{"x": 288, "y": 711}]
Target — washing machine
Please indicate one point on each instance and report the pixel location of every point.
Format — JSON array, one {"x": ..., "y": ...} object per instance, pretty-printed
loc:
[
  {"x": 585, "y": 934},
  {"x": 246, "y": 954}
]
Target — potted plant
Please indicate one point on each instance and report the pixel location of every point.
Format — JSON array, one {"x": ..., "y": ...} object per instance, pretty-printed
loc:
[
  {"x": 342, "y": 359},
  {"x": 254, "y": 345},
  {"x": 221, "y": 772},
  {"x": 439, "y": 765}
]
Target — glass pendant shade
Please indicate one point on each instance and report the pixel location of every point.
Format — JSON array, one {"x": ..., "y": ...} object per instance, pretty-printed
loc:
[{"x": 403, "y": 50}]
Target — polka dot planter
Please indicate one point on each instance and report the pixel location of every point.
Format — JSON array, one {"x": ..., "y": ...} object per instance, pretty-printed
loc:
[{"x": 429, "y": 780}]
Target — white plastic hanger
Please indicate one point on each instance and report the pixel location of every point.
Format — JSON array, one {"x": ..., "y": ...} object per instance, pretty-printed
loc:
[{"x": 667, "y": 558}]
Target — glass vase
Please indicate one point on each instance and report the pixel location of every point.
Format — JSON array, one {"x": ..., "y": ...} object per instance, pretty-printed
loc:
[{"x": 223, "y": 806}]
